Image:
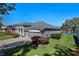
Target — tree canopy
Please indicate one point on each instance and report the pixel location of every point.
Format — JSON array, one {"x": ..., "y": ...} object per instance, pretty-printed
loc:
[
  {"x": 5, "y": 8},
  {"x": 70, "y": 23},
  {"x": 1, "y": 18}
]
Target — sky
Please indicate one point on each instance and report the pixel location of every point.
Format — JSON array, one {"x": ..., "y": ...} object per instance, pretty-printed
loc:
[{"x": 51, "y": 13}]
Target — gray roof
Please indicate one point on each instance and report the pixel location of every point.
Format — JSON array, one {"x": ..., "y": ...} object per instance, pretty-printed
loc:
[
  {"x": 41, "y": 26},
  {"x": 36, "y": 26}
]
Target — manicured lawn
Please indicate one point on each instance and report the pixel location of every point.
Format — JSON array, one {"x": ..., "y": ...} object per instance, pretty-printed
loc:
[
  {"x": 4, "y": 36},
  {"x": 66, "y": 40}
]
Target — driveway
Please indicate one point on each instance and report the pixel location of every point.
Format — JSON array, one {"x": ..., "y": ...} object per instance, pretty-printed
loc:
[{"x": 14, "y": 42}]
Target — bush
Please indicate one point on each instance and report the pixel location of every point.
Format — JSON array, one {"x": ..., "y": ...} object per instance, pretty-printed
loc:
[
  {"x": 39, "y": 40},
  {"x": 56, "y": 35},
  {"x": 15, "y": 35}
]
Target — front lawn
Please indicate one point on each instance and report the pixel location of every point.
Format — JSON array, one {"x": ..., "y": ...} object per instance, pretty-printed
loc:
[
  {"x": 66, "y": 40},
  {"x": 4, "y": 36}
]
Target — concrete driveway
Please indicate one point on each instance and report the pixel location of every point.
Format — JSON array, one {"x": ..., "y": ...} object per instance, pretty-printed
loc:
[{"x": 14, "y": 42}]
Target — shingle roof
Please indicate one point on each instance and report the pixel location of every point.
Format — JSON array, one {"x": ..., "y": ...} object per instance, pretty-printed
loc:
[
  {"x": 41, "y": 26},
  {"x": 37, "y": 26}
]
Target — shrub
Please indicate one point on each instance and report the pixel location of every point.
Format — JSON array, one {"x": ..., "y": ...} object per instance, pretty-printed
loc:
[
  {"x": 15, "y": 35},
  {"x": 39, "y": 40},
  {"x": 43, "y": 40},
  {"x": 56, "y": 35}
]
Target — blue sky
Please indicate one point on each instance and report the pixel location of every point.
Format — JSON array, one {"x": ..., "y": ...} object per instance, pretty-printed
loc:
[{"x": 52, "y": 13}]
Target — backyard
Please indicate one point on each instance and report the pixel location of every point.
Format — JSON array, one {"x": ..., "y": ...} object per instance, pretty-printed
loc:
[{"x": 65, "y": 40}]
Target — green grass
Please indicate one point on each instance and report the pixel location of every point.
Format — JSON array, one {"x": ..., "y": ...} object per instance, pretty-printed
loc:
[
  {"x": 66, "y": 40},
  {"x": 4, "y": 36}
]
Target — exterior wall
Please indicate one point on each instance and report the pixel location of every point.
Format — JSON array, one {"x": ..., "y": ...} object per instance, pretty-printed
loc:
[
  {"x": 32, "y": 33},
  {"x": 26, "y": 34},
  {"x": 48, "y": 33},
  {"x": 3, "y": 29}
]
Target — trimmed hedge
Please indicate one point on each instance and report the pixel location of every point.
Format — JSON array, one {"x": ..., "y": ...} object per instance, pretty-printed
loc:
[
  {"x": 56, "y": 35},
  {"x": 39, "y": 40}
]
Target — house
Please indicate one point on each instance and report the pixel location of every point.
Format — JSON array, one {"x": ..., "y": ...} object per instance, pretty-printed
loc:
[
  {"x": 34, "y": 29},
  {"x": 37, "y": 29},
  {"x": 8, "y": 29},
  {"x": 3, "y": 28}
]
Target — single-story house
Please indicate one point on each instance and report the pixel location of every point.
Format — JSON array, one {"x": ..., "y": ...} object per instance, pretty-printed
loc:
[
  {"x": 3, "y": 28},
  {"x": 8, "y": 29},
  {"x": 34, "y": 29}
]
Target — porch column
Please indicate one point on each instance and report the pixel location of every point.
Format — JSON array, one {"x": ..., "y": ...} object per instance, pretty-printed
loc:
[{"x": 22, "y": 31}]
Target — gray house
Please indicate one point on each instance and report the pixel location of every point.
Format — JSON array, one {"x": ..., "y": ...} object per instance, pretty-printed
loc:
[{"x": 36, "y": 29}]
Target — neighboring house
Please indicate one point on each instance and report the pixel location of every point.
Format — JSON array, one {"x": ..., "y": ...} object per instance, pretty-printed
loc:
[
  {"x": 8, "y": 29},
  {"x": 3, "y": 28},
  {"x": 34, "y": 29}
]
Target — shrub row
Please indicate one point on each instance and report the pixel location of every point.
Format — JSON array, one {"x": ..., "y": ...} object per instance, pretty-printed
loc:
[{"x": 56, "y": 35}]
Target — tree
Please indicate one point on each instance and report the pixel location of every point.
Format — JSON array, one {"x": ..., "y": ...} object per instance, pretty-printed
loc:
[
  {"x": 71, "y": 24},
  {"x": 1, "y": 18},
  {"x": 5, "y": 8}
]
